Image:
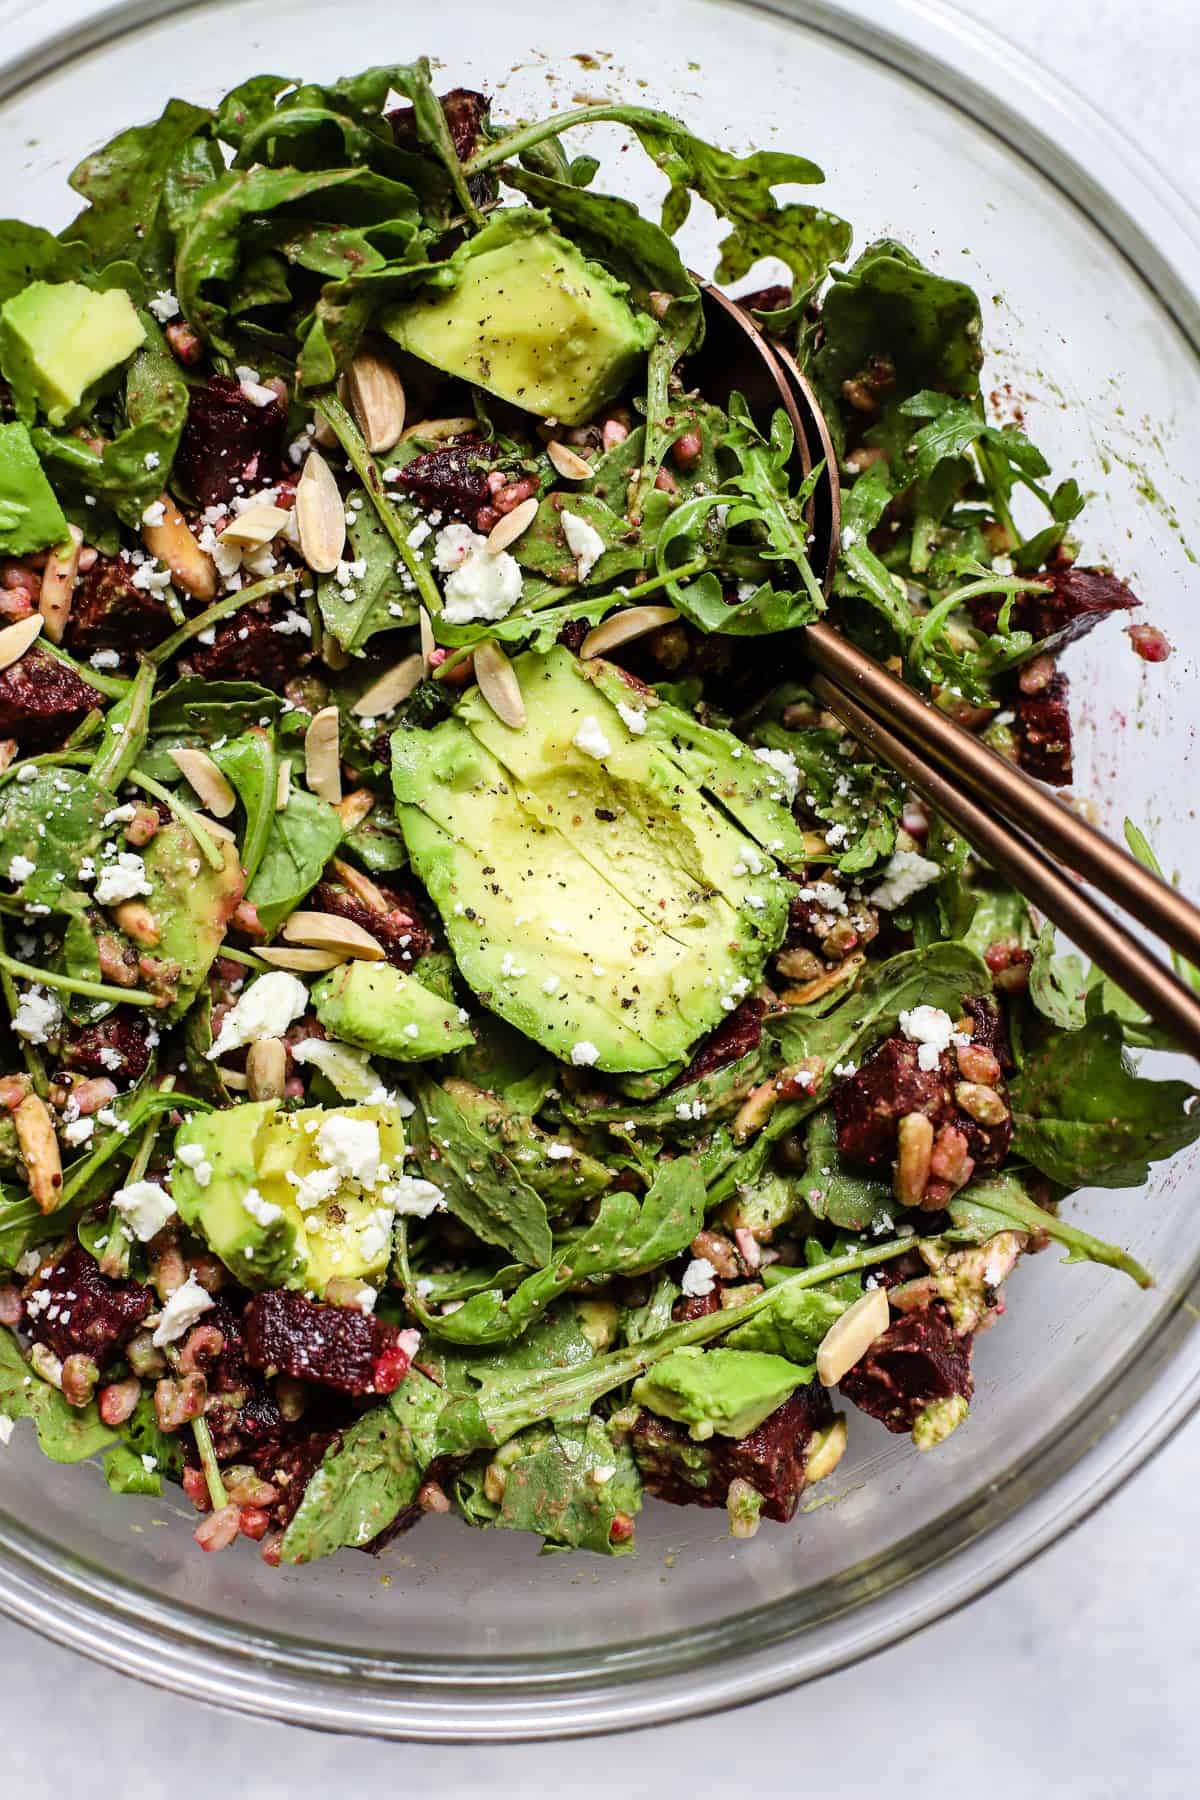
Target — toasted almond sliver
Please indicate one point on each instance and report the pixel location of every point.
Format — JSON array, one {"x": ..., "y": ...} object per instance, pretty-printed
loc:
[
  {"x": 393, "y": 686},
  {"x": 58, "y": 585},
  {"x": 376, "y": 395},
  {"x": 438, "y": 430},
  {"x": 257, "y": 525},
  {"x": 320, "y": 515},
  {"x": 355, "y": 807},
  {"x": 623, "y": 627},
  {"x": 283, "y": 784},
  {"x": 326, "y": 931},
  {"x": 499, "y": 685},
  {"x": 16, "y": 639},
  {"x": 266, "y": 1069},
  {"x": 570, "y": 465},
  {"x": 174, "y": 543},
  {"x": 304, "y": 962},
  {"x": 38, "y": 1145},
  {"x": 233, "y": 1078},
  {"x": 322, "y": 762},
  {"x": 508, "y": 529},
  {"x": 360, "y": 885},
  {"x": 851, "y": 1336},
  {"x": 215, "y": 829},
  {"x": 203, "y": 775},
  {"x": 428, "y": 641}
]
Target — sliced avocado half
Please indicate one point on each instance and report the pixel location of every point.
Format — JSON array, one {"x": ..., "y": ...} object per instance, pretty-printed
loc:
[{"x": 383, "y": 1010}]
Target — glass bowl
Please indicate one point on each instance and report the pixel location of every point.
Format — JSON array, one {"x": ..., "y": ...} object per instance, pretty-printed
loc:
[{"x": 1089, "y": 269}]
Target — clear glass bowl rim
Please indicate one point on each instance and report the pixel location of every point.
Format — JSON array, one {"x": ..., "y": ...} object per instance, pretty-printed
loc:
[{"x": 976, "y": 1544}]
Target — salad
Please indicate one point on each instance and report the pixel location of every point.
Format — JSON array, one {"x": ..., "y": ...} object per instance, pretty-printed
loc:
[{"x": 477, "y": 1036}]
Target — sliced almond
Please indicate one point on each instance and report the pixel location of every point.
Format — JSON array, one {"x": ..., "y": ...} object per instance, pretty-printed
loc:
[
  {"x": 139, "y": 923},
  {"x": 393, "y": 686},
  {"x": 322, "y": 761},
  {"x": 851, "y": 1336},
  {"x": 326, "y": 931},
  {"x": 215, "y": 829},
  {"x": 320, "y": 515},
  {"x": 233, "y": 1078},
  {"x": 283, "y": 784},
  {"x": 203, "y": 776},
  {"x": 174, "y": 543},
  {"x": 266, "y": 1069},
  {"x": 825, "y": 1450},
  {"x": 428, "y": 641},
  {"x": 360, "y": 885},
  {"x": 355, "y": 807},
  {"x": 570, "y": 465},
  {"x": 508, "y": 529},
  {"x": 16, "y": 639},
  {"x": 38, "y": 1145},
  {"x": 58, "y": 585},
  {"x": 622, "y": 627},
  {"x": 438, "y": 430},
  {"x": 304, "y": 962},
  {"x": 376, "y": 395},
  {"x": 259, "y": 524},
  {"x": 914, "y": 1156},
  {"x": 499, "y": 685}
]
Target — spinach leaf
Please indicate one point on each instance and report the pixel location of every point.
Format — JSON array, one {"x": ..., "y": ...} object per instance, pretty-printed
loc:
[
  {"x": 54, "y": 821},
  {"x": 123, "y": 183},
  {"x": 300, "y": 841},
  {"x": 482, "y": 1186},
  {"x": 567, "y": 1482},
  {"x": 372, "y": 598},
  {"x": 378, "y": 843},
  {"x": 65, "y": 1433},
  {"x": 833, "y": 1192},
  {"x": 199, "y": 710},
  {"x": 249, "y": 763},
  {"x": 542, "y": 548},
  {"x": 1002, "y": 1203},
  {"x": 27, "y": 253},
  {"x": 1083, "y": 1118},
  {"x": 1058, "y": 984}
]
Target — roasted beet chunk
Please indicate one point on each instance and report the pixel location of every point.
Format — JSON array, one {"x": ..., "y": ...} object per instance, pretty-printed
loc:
[
  {"x": 289, "y": 1467},
  {"x": 1079, "y": 599},
  {"x": 766, "y": 299},
  {"x": 41, "y": 699},
  {"x": 916, "y": 1362},
  {"x": 869, "y": 1105},
  {"x": 734, "y": 1038},
  {"x": 452, "y": 479},
  {"x": 118, "y": 1047},
  {"x": 75, "y": 1310},
  {"x": 229, "y": 445},
  {"x": 337, "y": 1345},
  {"x": 241, "y": 1412},
  {"x": 109, "y": 613},
  {"x": 771, "y": 1459},
  {"x": 1043, "y": 731},
  {"x": 245, "y": 648},
  {"x": 466, "y": 114},
  {"x": 398, "y": 929}
]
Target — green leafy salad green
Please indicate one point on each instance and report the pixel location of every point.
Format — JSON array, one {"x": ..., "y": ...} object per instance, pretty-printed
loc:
[{"x": 478, "y": 1037}]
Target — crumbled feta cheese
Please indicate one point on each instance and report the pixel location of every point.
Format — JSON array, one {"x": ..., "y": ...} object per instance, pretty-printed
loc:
[
  {"x": 559, "y": 1152},
  {"x": 187, "y": 1304},
  {"x": 591, "y": 739},
  {"x": 193, "y": 1158},
  {"x": 414, "y": 1198},
  {"x": 151, "y": 459},
  {"x": 145, "y": 1208},
  {"x": 583, "y": 541},
  {"x": 905, "y": 875},
  {"x": 105, "y": 659},
  {"x": 155, "y": 513},
  {"x": 551, "y": 984},
  {"x": 690, "y": 1109},
  {"x": 315, "y": 1189},
  {"x": 38, "y": 1015},
  {"x": 784, "y": 765},
  {"x": 584, "y": 1054},
  {"x": 417, "y": 536},
  {"x": 291, "y": 623},
  {"x": 265, "y": 1010},
  {"x": 931, "y": 1029},
  {"x": 122, "y": 879},
  {"x": 77, "y": 1132},
  {"x": 20, "y": 868},
  {"x": 412, "y": 1031},
  {"x": 263, "y": 1212},
  {"x": 479, "y": 585},
  {"x": 698, "y": 1278},
  {"x": 632, "y": 717},
  {"x": 351, "y": 1146},
  {"x": 836, "y": 836},
  {"x": 149, "y": 1463},
  {"x": 453, "y": 545},
  {"x": 164, "y": 306}
]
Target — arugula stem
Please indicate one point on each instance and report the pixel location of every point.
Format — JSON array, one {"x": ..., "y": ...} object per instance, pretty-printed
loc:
[
  {"x": 367, "y": 470},
  {"x": 53, "y": 759},
  {"x": 125, "y": 731},
  {"x": 115, "y": 686},
  {"x": 220, "y": 609},
  {"x": 208, "y": 1462},
  {"x": 72, "y": 984},
  {"x": 505, "y": 149},
  {"x": 244, "y": 957},
  {"x": 115, "y": 1259},
  {"x": 208, "y": 847}
]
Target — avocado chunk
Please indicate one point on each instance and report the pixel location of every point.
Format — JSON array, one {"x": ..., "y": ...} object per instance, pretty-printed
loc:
[
  {"x": 59, "y": 337},
  {"x": 603, "y": 904},
  {"x": 530, "y": 320},
  {"x": 30, "y": 516},
  {"x": 383, "y": 1010},
  {"x": 291, "y": 1199},
  {"x": 192, "y": 903},
  {"x": 724, "y": 1392}
]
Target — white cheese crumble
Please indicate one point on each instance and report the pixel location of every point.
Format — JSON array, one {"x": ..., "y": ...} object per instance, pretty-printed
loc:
[
  {"x": 351, "y": 1146},
  {"x": 931, "y": 1029},
  {"x": 784, "y": 765},
  {"x": 38, "y": 1015},
  {"x": 483, "y": 587},
  {"x": 155, "y": 513},
  {"x": 632, "y": 717},
  {"x": 266, "y": 1009},
  {"x": 145, "y": 1208},
  {"x": 591, "y": 739},
  {"x": 6, "y": 1429},
  {"x": 263, "y": 1212},
  {"x": 584, "y": 1054},
  {"x": 105, "y": 659},
  {"x": 187, "y": 1304},
  {"x": 690, "y": 1109},
  {"x": 20, "y": 868},
  {"x": 164, "y": 306},
  {"x": 559, "y": 1152},
  {"x": 584, "y": 542},
  {"x": 193, "y": 1158},
  {"x": 123, "y": 879},
  {"x": 698, "y": 1278},
  {"x": 414, "y": 1198},
  {"x": 79, "y": 1131},
  {"x": 905, "y": 875}
]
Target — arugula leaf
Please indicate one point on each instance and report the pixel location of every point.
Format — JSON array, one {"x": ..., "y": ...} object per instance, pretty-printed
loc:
[
  {"x": 1058, "y": 984},
  {"x": 567, "y": 1483},
  {"x": 65, "y": 1433},
  {"x": 938, "y": 975},
  {"x": 1001, "y": 1202},
  {"x": 200, "y": 710},
  {"x": 482, "y": 1186},
  {"x": 27, "y": 253},
  {"x": 1083, "y": 1118},
  {"x": 300, "y": 841},
  {"x": 249, "y": 763},
  {"x": 834, "y": 1193}
]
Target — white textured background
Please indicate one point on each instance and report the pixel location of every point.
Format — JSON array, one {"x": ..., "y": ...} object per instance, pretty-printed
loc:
[{"x": 1078, "y": 1679}]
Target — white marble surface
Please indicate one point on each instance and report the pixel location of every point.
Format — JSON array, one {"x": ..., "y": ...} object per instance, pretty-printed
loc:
[{"x": 1077, "y": 1678}]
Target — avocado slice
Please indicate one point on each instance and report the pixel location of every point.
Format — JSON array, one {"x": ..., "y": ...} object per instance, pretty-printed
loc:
[
  {"x": 725, "y": 1392},
  {"x": 530, "y": 320},
  {"x": 59, "y": 337},
  {"x": 307, "y": 1220},
  {"x": 383, "y": 1010},
  {"x": 603, "y": 905},
  {"x": 192, "y": 904},
  {"x": 30, "y": 516}
]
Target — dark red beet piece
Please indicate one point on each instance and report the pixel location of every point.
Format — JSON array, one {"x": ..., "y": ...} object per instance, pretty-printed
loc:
[
  {"x": 229, "y": 445},
  {"x": 41, "y": 699},
  {"x": 75, "y": 1310},
  {"x": 245, "y": 648},
  {"x": 400, "y": 930},
  {"x": 771, "y": 1459},
  {"x": 1078, "y": 601},
  {"x": 124, "y": 1035},
  {"x": 733, "y": 1038},
  {"x": 289, "y": 1467},
  {"x": 1043, "y": 732},
  {"x": 869, "y": 1105},
  {"x": 452, "y": 479},
  {"x": 336, "y": 1345},
  {"x": 917, "y": 1360},
  {"x": 109, "y": 613},
  {"x": 697, "y": 1306},
  {"x": 766, "y": 299},
  {"x": 466, "y": 114}
]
